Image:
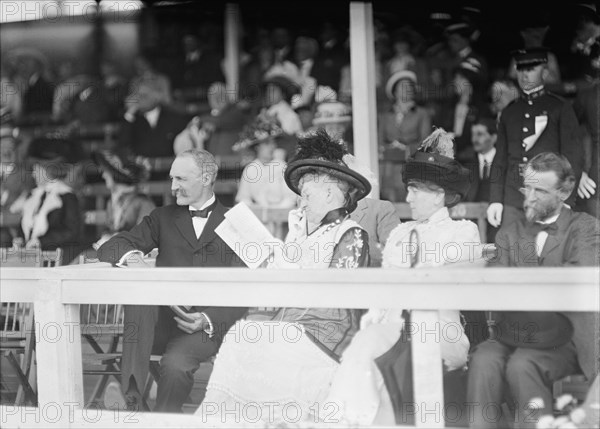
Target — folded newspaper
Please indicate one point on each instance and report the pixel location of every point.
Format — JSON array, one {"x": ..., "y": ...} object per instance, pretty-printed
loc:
[{"x": 246, "y": 235}]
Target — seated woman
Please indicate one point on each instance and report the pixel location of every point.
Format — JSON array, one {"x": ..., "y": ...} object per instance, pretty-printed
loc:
[
  {"x": 51, "y": 215},
  {"x": 435, "y": 181},
  {"x": 298, "y": 349},
  {"x": 262, "y": 183},
  {"x": 126, "y": 206}
]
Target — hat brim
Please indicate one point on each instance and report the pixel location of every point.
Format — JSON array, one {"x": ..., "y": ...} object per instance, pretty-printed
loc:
[
  {"x": 444, "y": 172},
  {"x": 397, "y": 77},
  {"x": 296, "y": 169},
  {"x": 288, "y": 86},
  {"x": 332, "y": 120},
  {"x": 119, "y": 175}
]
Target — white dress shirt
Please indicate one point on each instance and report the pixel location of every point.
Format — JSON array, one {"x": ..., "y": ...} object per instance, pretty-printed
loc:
[
  {"x": 540, "y": 239},
  {"x": 200, "y": 222},
  {"x": 483, "y": 157},
  {"x": 152, "y": 116}
]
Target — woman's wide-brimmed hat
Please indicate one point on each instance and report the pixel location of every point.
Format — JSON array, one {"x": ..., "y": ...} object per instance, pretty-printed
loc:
[
  {"x": 288, "y": 86},
  {"x": 263, "y": 127},
  {"x": 434, "y": 162},
  {"x": 397, "y": 77},
  {"x": 54, "y": 149},
  {"x": 318, "y": 152},
  {"x": 123, "y": 170}
]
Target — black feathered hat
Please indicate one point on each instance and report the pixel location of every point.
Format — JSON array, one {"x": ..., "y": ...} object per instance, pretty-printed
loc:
[
  {"x": 434, "y": 162},
  {"x": 318, "y": 152},
  {"x": 123, "y": 170}
]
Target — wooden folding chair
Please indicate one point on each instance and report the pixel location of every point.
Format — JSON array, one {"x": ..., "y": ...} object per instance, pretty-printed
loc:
[{"x": 17, "y": 336}]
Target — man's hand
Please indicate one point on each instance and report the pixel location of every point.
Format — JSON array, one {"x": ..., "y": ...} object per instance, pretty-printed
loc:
[
  {"x": 587, "y": 187},
  {"x": 494, "y": 214},
  {"x": 136, "y": 260},
  {"x": 200, "y": 323},
  {"x": 397, "y": 145}
]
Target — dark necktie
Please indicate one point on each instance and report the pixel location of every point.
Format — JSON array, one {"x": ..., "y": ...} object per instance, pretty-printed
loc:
[
  {"x": 204, "y": 212},
  {"x": 42, "y": 199},
  {"x": 486, "y": 170}
]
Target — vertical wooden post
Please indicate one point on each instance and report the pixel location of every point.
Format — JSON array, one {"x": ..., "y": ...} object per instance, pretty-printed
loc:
[
  {"x": 364, "y": 108},
  {"x": 58, "y": 348},
  {"x": 427, "y": 369},
  {"x": 232, "y": 50}
]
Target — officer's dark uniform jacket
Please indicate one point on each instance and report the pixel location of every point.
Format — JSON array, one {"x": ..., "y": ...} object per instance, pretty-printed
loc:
[{"x": 554, "y": 120}]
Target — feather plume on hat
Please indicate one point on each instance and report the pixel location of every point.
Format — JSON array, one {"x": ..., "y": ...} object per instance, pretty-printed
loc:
[{"x": 439, "y": 142}]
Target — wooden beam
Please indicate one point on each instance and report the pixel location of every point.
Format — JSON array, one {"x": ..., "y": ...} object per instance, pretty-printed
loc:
[
  {"x": 232, "y": 50},
  {"x": 364, "y": 107}
]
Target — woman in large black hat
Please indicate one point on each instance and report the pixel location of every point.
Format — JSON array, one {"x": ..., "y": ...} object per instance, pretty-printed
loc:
[
  {"x": 435, "y": 181},
  {"x": 126, "y": 206},
  {"x": 271, "y": 372},
  {"x": 51, "y": 215}
]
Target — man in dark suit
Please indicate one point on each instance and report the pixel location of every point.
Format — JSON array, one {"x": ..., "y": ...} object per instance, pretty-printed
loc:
[
  {"x": 536, "y": 122},
  {"x": 484, "y": 134},
  {"x": 531, "y": 350},
  {"x": 185, "y": 237},
  {"x": 150, "y": 127}
]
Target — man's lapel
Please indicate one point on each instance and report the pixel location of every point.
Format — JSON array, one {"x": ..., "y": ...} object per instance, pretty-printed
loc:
[
  {"x": 549, "y": 252},
  {"x": 183, "y": 222},
  {"x": 214, "y": 219}
]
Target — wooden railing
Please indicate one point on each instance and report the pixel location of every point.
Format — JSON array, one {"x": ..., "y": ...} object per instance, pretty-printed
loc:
[{"x": 57, "y": 293}]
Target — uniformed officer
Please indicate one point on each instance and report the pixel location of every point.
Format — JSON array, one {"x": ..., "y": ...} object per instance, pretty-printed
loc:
[{"x": 536, "y": 122}]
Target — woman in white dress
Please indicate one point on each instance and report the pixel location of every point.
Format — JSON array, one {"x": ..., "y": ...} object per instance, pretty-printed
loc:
[
  {"x": 278, "y": 363},
  {"x": 434, "y": 181}
]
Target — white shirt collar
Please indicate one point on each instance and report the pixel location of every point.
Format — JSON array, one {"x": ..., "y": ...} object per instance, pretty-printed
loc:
[
  {"x": 489, "y": 156},
  {"x": 152, "y": 116},
  {"x": 206, "y": 204},
  {"x": 536, "y": 89}
]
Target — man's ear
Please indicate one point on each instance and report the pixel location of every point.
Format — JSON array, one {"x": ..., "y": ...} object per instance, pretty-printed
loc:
[
  {"x": 494, "y": 138},
  {"x": 545, "y": 74}
]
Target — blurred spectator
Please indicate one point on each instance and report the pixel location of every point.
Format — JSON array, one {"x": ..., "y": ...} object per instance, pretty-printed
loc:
[
  {"x": 144, "y": 72},
  {"x": 587, "y": 109},
  {"x": 502, "y": 93},
  {"x": 459, "y": 40},
  {"x": 336, "y": 118},
  {"x": 126, "y": 206},
  {"x": 200, "y": 67},
  {"x": 37, "y": 91},
  {"x": 252, "y": 75},
  {"x": 587, "y": 31},
  {"x": 282, "y": 44},
  {"x": 262, "y": 183},
  {"x": 150, "y": 127},
  {"x": 51, "y": 215},
  {"x": 114, "y": 87},
  {"x": 218, "y": 131},
  {"x": 10, "y": 96},
  {"x": 469, "y": 103},
  {"x": 278, "y": 92},
  {"x": 78, "y": 97},
  {"x": 484, "y": 134},
  {"x": 305, "y": 52},
  {"x": 402, "y": 129},
  {"x": 332, "y": 56},
  {"x": 402, "y": 58},
  {"x": 15, "y": 183}
]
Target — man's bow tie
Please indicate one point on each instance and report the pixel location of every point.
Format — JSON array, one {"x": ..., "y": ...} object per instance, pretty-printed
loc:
[
  {"x": 550, "y": 228},
  {"x": 204, "y": 212}
]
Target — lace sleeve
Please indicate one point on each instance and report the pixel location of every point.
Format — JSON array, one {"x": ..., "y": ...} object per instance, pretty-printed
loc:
[{"x": 352, "y": 251}]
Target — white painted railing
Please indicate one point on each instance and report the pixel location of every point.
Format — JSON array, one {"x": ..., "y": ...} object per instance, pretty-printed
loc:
[{"x": 57, "y": 293}]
